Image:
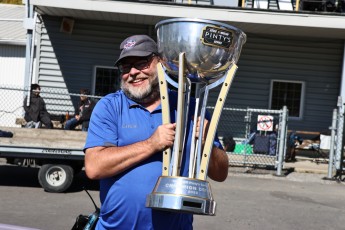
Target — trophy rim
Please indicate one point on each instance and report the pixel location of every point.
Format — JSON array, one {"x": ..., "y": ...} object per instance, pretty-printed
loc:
[
  {"x": 199, "y": 20},
  {"x": 210, "y": 69}
]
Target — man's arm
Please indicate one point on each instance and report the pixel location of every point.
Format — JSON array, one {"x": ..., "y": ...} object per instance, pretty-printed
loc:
[
  {"x": 219, "y": 162},
  {"x": 26, "y": 108},
  {"x": 218, "y": 165},
  {"x": 102, "y": 162},
  {"x": 44, "y": 107}
]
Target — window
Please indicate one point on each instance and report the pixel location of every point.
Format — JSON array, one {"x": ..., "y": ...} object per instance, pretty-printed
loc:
[
  {"x": 289, "y": 93},
  {"x": 106, "y": 80}
]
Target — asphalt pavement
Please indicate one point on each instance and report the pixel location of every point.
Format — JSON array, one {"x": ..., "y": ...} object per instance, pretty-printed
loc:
[
  {"x": 304, "y": 169},
  {"x": 250, "y": 199}
]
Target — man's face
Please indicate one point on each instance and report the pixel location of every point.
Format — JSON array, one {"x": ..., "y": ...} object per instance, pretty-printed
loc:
[
  {"x": 36, "y": 91},
  {"x": 139, "y": 78},
  {"x": 83, "y": 98}
]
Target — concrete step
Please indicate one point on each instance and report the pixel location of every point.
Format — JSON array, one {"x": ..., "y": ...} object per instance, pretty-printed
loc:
[{"x": 308, "y": 165}]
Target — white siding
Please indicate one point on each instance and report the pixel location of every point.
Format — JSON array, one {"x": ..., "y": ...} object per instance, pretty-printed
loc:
[
  {"x": 66, "y": 62},
  {"x": 317, "y": 62},
  {"x": 12, "y": 67},
  {"x": 11, "y": 24}
]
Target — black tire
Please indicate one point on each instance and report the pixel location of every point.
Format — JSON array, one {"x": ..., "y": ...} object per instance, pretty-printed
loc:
[{"x": 55, "y": 177}]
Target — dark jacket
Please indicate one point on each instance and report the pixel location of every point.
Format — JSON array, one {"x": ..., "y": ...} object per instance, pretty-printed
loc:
[
  {"x": 36, "y": 110},
  {"x": 85, "y": 110}
]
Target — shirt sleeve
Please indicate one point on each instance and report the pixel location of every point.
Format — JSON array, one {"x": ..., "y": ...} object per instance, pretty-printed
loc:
[
  {"x": 216, "y": 142},
  {"x": 103, "y": 125}
]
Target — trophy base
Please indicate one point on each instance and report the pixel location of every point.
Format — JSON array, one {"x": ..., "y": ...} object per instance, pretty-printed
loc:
[{"x": 181, "y": 194}]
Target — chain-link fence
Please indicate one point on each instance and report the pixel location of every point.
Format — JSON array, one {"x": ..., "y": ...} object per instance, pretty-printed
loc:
[
  {"x": 259, "y": 135},
  {"x": 336, "y": 164},
  {"x": 59, "y": 103}
]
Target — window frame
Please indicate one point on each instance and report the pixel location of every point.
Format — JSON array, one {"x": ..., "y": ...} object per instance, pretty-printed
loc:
[
  {"x": 94, "y": 75},
  {"x": 302, "y": 99}
]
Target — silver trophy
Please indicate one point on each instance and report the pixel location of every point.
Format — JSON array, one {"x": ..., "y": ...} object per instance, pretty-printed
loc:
[{"x": 202, "y": 54}]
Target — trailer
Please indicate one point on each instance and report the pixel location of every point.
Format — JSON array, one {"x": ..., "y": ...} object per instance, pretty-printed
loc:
[{"x": 57, "y": 153}]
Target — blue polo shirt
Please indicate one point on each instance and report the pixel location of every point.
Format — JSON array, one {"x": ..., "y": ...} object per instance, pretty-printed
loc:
[{"x": 119, "y": 121}]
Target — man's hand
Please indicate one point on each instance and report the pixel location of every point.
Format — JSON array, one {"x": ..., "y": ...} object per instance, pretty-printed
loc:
[
  {"x": 163, "y": 137},
  {"x": 205, "y": 130}
]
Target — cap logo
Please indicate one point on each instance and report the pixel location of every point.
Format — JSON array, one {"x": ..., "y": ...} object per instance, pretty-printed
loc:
[{"x": 129, "y": 44}]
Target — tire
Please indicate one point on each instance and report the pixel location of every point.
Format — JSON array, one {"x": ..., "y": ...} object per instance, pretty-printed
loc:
[{"x": 55, "y": 177}]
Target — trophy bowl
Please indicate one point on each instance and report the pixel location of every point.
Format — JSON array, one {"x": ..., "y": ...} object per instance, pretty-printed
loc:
[{"x": 210, "y": 47}]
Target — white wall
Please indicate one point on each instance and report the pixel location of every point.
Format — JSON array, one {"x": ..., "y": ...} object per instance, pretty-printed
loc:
[
  {"x": 12, "y": 68},
  {"x": 12, "y": 65}
]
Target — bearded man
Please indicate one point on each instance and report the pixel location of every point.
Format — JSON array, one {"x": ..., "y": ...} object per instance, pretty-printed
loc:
[{"x": 125, "y": 141}]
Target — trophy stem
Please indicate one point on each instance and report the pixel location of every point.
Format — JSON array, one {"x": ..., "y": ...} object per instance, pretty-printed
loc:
[
  {"x": 202, "y": 175},
  {"x": 180, "y": 119},
  {"x": 188, "y": 89},
  {"x": 193, "y": 153},
  {"x": 201, "y": 128}
]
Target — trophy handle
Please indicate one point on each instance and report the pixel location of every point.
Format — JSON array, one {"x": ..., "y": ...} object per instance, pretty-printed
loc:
[
  {"x": 163, "y": 87},
  {"x": 202, "y": 175}
]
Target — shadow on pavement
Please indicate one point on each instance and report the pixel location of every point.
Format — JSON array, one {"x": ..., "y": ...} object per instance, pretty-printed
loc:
[
  {"x": 18, "y": 176},
  {"x": 27, "y": 177},
  {"x": 81, "y": 182}
]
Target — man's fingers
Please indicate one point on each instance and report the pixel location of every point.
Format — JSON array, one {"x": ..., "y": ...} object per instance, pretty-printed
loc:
[
  {"x": 205, "y": 128},
  {"x": 170, "y": 126},
  {"x": 164, "y": 136}
]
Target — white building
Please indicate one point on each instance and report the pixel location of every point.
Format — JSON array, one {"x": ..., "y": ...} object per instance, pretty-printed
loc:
[
  {"x": 12, "y": 45},
  {"x": 12, "y": 61}
]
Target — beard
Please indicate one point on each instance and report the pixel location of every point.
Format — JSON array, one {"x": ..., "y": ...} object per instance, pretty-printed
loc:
[{"x": 143, "y": 95}]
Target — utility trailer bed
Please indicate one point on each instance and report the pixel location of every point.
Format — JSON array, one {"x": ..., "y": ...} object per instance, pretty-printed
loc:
[{"x": 58, "y": 153}]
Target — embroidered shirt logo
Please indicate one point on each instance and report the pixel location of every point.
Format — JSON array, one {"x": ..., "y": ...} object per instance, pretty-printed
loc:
[
  {"x": 129, "y": 126},
  {"x": 129, "y": 44}
]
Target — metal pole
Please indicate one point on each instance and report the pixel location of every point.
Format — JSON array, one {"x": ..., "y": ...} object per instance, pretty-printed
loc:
[
  {"x": 340, "y": 128},
  {"x": 282, "y": 142},
  {"x": 28, "y": 24},
  {"x": 331, "y": 151},
  {"x": 341, "y": 160}
]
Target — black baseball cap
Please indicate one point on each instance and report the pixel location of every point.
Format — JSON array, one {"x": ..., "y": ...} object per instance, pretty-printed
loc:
[{"x": 137, "y": 46}]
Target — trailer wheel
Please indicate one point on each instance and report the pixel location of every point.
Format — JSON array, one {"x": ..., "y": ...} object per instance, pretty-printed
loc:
[{"x": 55, "y": 178}]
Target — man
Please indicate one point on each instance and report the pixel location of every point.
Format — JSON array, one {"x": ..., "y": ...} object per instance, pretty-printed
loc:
[
  {"x": 229, "y": 143},
  {"x": 125, "y": 142},
  {"x": 83, "y": 113},
  {"x": 36, "y": 112}
]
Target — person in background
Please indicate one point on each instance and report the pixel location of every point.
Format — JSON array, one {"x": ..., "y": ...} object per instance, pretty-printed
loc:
[
  {"x": 125, "y": 141},
  {"x": 36, "y": 112},
  {"x": 83, "y": 113},
  {"x": 229, "y": 143}
]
